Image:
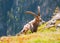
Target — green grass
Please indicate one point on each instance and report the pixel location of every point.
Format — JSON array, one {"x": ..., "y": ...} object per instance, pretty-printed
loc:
[
  {"x": 37, "y": 40},
  {"x": 49, "y": 35},
  {"x": 43, "y": 35}
]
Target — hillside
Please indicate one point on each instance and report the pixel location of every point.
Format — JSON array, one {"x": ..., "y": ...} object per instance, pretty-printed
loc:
[
  {"x": 48, "y": 35},
  {"x": 51, "y": 37}
]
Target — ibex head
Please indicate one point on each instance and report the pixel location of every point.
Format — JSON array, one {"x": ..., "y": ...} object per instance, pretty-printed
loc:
[{"x": 37, "y": 16}]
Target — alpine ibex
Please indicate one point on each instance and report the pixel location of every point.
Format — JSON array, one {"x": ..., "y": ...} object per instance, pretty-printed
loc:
[{"x": 33, "y": 24}]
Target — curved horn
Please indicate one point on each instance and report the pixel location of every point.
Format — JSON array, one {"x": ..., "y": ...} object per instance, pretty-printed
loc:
[
  {"x": 38, "y": 10},
  {"x": 29, "y": 12}
]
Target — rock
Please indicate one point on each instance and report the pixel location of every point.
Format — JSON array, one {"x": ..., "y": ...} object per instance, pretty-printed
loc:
[{"x": 58, "y": 26}]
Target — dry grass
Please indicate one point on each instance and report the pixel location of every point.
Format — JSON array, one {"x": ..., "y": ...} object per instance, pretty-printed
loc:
[{"x": 42, "y": 37}]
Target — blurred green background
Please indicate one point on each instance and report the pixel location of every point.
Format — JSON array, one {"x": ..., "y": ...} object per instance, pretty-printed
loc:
[{"x": 13, "y": 18}]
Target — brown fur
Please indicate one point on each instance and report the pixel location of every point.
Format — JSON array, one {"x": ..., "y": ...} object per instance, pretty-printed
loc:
[{"x": 32, "y": 25}]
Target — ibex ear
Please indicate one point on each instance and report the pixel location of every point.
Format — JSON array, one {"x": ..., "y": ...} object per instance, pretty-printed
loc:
[
  {"x": 29, "y": 12},
  {"x": 38, "y": 10}
]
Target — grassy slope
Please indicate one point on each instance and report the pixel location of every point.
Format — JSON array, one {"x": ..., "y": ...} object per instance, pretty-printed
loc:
[{"x": 41, "y": 36}]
